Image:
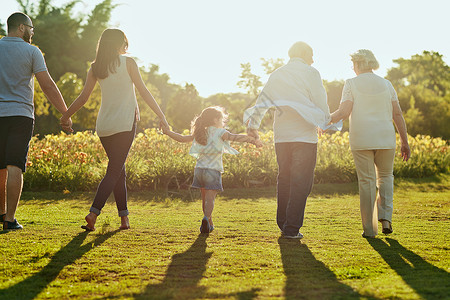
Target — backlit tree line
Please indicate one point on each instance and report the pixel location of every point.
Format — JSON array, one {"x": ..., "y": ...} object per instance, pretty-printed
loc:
[{"x": 68, "y": 41}]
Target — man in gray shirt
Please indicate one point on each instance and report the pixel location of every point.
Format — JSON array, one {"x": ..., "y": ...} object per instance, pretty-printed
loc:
[{"x": 19, "y": 61}]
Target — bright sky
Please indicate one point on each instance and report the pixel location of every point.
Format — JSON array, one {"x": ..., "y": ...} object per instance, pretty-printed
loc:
[{"x": 203, "y": 42}]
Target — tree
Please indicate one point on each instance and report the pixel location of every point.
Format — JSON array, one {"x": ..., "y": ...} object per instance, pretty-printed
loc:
[
  {"x": 334, "y": 93},
  {"x": 2, "y": 30},
  {"x": 183, "y": 107},
  {"x": 166, "y": 90},
  {"x": 68, "y": 41},
  {"x": 422, "y": 84},
  {"x": 271, "y": 64},
  {"x": 249, "y": 81}
]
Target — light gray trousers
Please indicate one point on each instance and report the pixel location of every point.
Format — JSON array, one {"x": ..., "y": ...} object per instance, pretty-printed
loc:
[{"x": 375, "y": 170}]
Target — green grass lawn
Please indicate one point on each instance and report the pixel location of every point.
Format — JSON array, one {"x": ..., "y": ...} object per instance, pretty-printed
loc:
[{"x": 163, "y": 256}]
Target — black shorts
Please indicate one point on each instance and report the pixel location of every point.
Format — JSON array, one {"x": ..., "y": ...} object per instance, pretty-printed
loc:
[{"x": 15, "y": 136}]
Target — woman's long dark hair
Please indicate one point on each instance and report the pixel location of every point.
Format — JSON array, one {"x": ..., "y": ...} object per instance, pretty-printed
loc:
[
  {"x": 206, "y": 119},
  {"x": 107, "y": 57}
]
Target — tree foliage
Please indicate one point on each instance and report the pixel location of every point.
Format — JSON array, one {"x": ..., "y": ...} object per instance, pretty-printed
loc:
[
  {"x": 67, "y": 39},
  {"x": 183, "y": 107},
  {"x": 249, "y": 81},
  {"x": 2, "y": 30},
  {"x": 422, "y": 83}
]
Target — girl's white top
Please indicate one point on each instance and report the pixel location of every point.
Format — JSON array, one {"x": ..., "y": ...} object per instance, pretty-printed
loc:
[
  {"x": 371, "y": 124},
  {"x": 209, "y": 156},
  {"x": 119, "y": 108}
]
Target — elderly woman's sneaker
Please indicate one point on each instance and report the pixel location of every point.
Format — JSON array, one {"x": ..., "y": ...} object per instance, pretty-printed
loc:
[
  {"x": 11, "y": 225},
  {"x": 387, "y": 227}
]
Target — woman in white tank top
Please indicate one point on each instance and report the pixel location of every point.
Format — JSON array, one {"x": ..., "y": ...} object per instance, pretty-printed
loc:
[
  {"x": 372, "y": 104},
  {"x": 116, "y": 121}
]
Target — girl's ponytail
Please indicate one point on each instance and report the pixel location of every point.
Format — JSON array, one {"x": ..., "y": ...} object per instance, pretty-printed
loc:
[{"x": 199, "y": 130}]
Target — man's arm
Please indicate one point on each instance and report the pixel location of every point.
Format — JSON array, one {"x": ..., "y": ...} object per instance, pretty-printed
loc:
[
  {"x": 53, "y": 94},
  {"x": 253, "y": 132},
  {"x": 51, "y": 91}
]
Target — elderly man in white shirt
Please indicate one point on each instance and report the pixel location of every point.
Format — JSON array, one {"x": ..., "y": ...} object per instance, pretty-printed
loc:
[{"x": 297, "y": 92}]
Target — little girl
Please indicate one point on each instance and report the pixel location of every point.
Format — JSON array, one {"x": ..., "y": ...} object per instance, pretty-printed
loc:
[{"x": 210, "y": 141}]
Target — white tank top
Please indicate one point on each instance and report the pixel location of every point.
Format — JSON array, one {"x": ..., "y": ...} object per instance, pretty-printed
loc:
[
  {"x": 371, "y": 124},
  {"x": 119, "y": 108}
]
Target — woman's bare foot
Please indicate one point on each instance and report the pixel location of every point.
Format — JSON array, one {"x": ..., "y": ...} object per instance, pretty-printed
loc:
[
  {"x": 125, "y": 223},
  {"x": 91, "y": 218}
]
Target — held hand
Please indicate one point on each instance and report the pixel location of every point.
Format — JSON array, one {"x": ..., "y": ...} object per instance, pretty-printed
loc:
[
  {"x": 253, "y": 132},
  {"x": 66, "y": 124},
  {"x": 405, "y": 151},
  {"x": 164, "y": 126},
  {"x": 258, "y": 143},
  {"x": 320, "y": 131},
  {"x": 165, "y": 129},
  {"x": 163, "y": 123}
]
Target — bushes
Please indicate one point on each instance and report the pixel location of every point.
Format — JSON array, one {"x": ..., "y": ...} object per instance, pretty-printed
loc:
[{"x": 78, "y": 162}]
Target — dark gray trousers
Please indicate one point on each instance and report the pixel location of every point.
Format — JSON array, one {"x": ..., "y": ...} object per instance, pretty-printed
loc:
[{"x": 296, "y": 163}]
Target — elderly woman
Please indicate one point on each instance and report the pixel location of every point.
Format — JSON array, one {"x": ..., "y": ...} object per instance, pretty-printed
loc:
[{"x": 372, "y": 104}]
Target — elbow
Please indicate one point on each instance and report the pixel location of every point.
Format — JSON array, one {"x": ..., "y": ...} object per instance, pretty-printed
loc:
[
  {"x": 397, "y": 117},
  {"x": 398, "y": 114},
  {"x": 47, "y": 87},
  {"x": 345, "y": 115},
  {"x": 339, "y": 115}
]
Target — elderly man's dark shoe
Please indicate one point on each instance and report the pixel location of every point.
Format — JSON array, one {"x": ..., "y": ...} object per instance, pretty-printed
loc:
[{"x": 11, "y": 225}]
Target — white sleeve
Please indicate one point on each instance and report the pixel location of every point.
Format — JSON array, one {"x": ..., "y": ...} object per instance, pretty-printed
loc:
[
  {"x": 347, "y": 92},
  {"x": 392, "y": 91}
]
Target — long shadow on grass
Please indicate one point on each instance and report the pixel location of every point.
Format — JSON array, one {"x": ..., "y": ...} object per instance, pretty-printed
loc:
[
  {"x": 428, "y": 281},
  {"x": 319, "y": 190},
  {"x": 308, "y": 278},
  {"x": 183, "y": 274},
  {"x": 35, "y": 284}
]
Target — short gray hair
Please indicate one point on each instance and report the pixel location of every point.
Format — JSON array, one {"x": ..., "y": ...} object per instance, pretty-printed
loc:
[
  {"x": 365, "y": 60},
  {"x": 300, "y": 49}
]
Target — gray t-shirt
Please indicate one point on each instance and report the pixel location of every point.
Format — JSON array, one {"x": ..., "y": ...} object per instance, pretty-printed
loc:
[{"x": 18, "y": 62}]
